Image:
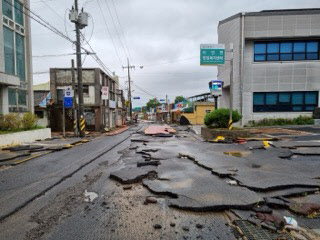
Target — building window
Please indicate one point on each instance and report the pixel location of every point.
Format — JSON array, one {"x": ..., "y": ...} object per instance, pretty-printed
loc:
[
  {"x": 85, "y": 89},
  {"x": 20, "y": 57},
  {"x": 8, "y": 50},
  {"x": 22, "y": 97},
  {"x": 7, "y": 8},
  {"x": 12, "y": 96},
  {"x": 18, "y": 12},
  {"x": 39, "y": 114},
  {"x": 285, "y": 101},
  {"x": 286, "y": 51}
]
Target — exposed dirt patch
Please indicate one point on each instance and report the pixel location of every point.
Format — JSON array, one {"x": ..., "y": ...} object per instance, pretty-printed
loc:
[{"x": 62, "y": 206}]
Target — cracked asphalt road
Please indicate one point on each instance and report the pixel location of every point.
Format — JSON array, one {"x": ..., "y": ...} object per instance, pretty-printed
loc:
[{"x": 45, "y": 198}]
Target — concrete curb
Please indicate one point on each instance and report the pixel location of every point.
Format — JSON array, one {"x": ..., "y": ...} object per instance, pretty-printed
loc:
[{"x": 24, "y": 137}]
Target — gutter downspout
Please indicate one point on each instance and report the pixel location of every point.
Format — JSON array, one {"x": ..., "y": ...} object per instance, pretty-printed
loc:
[{"x": 242, "y": 64}]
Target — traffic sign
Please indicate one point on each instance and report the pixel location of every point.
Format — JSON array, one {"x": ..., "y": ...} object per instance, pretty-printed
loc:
[
  {"x": 212, "y": 54},
  {"x": 215, "y": 87},
  {"x": 136, "y": 98},
  {"x": 67, "y": 102},
  {"x": 162, "y": 100},
  {"x": 68, "y": 92},
  {"x": 104, "y": 93}
]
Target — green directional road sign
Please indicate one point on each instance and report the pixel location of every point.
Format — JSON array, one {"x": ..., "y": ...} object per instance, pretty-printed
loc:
[{"x": 212, "y": 54}]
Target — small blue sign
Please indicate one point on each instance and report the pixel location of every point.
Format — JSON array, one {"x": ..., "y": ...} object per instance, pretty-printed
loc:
[
  {"x": 67, "y": 102},
  {"x": 136, "y": 97},
  {"x": 162, "y": 100}
]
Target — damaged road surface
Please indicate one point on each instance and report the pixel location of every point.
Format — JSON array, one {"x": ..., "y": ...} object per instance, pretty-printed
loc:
[{"x": 164, "y": 183}]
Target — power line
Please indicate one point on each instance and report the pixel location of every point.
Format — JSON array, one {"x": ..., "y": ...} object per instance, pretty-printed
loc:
[
  {"x": 54, "y": 55},
  {"x": 105, "y": 21},
  {"x": 115, "y": 26},
  {"x": 96, "y": 57},
  {"x": 122, "y": 29},
  {"x": 56, "y": 31},
  {"x": 171, "y": 73},
  {"x": 150, "y": 94},
  {"x": 164, "y": 63},
  {"x": 87, "y": 41}
]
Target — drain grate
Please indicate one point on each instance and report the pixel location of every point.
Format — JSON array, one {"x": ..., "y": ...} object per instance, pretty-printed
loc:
[{"x": 253, "y": 232}]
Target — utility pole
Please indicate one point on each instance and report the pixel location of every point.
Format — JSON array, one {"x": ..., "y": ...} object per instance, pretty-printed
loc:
[
  {"x": 167, "y": 107},
  {"x": 63, "y": 120},
  {"x": 79, "y": 69},
  {"x": 231, "y": 88},
  {"x": 74, "y": 105},
  {"x": 81, "y": 21},
  {"x": 129, "y": 90}
]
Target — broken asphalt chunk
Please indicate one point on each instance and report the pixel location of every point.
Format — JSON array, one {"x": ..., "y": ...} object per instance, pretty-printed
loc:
[
  {"x": 153, "y": 163},
  {"x": 275, "y": 203},
  {"x": 305, "y": 209}
]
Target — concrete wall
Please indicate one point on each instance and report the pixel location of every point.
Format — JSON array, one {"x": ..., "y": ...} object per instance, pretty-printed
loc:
[
  {"x": 294, "y": 25},
  {"x": 24, "y": 137},
  {"x": 197, "y": 117},
  {"x": 1, "y": 41},
  {"x": 229, "y": 32},
  {"x": 43, "y": 122}
]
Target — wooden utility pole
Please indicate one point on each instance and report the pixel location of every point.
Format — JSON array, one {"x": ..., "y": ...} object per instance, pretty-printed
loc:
[
  {"x": 129, "y": 90},
  {"x": 74, "y": 105},
  {"x": 79, "y": 71}
]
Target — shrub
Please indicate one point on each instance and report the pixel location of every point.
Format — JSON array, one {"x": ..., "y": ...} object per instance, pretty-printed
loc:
[
  {"x": 29, "y": 120},
  {"x": 10, "y": 121},
  {"x": 301, "y": 120},
  {"x": 220, "y": 117}
]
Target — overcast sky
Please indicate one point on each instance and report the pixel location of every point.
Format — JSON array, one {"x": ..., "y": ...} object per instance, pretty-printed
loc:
[{"x": 164, "y": 36}]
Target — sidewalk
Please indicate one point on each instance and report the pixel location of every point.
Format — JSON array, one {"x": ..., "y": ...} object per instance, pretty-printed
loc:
[{"x": 117, "y": 131}]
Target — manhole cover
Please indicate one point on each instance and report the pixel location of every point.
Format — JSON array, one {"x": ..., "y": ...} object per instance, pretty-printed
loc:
[{"x": 253, "y": 232}]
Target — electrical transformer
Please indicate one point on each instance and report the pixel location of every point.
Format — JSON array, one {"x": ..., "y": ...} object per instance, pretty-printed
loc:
[{"x": 83, "y": 19}]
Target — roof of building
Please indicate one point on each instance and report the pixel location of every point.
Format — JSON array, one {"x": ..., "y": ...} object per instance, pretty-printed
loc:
[
  {"x": 200, "y": 95},
  {"x": 299, "y": 11},
  {"x": 39, "y": 96},
  {"x": 42, "y": 87}
]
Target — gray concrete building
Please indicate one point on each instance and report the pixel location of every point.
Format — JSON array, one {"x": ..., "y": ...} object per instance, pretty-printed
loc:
[
  {"x": 99, "y": 113},
  {"x": 276, "y": 64},
  {"x": 16, "y": 93}
]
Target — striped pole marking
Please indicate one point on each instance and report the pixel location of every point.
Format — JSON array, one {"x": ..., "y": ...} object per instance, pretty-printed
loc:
[
  {"x": 82, "y": 124},
  {"x": 230, "y": 124}
]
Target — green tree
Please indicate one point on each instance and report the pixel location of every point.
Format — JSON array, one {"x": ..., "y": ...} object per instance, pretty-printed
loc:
[
  {"x": 152, "y": 103},
  {"x": 179, "y": 99}
]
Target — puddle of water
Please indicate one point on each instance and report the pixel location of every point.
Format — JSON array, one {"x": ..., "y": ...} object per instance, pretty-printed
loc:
[
  {"x": 238, "y": 153},
  {"x": 89, "y": 196}
]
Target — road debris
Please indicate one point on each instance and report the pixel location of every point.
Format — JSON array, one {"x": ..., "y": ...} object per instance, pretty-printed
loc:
[
  {"x": 291, "y": 222},
  {"x": 164, "y": 129},
  {"x": 129, "y": 187},
  {"x": 157, "y": 226},
  {"x": 150, "y": 200},
  {"x": 89, "y": 196}
]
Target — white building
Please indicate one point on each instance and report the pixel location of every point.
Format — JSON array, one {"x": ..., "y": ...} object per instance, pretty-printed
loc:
[
  {"x": 15, "y": 58},
  {"x": 276, "y": 67}
]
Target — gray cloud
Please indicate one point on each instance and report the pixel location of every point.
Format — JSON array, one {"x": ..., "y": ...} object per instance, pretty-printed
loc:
[{"x": 156, "y": 32}]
